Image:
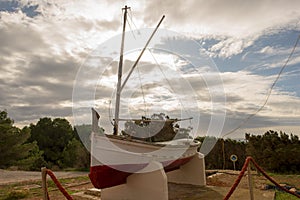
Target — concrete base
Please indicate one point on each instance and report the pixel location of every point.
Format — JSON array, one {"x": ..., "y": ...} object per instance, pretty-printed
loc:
[
  {"x": 146, "y": 186},
  {"x": 192, "y": 172},
  {"x": 84, "y": 196},
  {"x": 154, "y": 184}
]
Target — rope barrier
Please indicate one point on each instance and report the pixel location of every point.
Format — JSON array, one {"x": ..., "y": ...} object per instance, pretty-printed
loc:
[
  {"x": 58, "y": 185},
  {"x": 232, "y": 189},
  {"x": 272, "y": 180},
  {"x": 237, "y": 181}
]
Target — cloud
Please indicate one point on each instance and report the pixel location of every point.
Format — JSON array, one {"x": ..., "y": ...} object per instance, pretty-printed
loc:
[
  {"x": 234, "y": 24},
  {"x": 40, "y": 54},
  {"x": 230, "y": 47},
  {"x": 231, "y": 18},
  {"x": 267, "y": 50},
  {"x": 17, "y": 36},
  {"x": 16, "y": 6},
  {"x": 40, "y": 88},
  {"x": 281, "y": 108},
  {"x": 44, "y": 42}
]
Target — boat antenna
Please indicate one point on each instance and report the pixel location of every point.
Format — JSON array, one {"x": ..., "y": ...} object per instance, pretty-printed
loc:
[{"x": 118, "y": 94}]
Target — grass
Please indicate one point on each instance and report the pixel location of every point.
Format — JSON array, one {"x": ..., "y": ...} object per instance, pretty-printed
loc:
[
  {"x": 21, "y": 190},
  {"x": 280, "y": 195},
  {"x": 17, "y": 194},
  {"x": 292, "y": 180}
]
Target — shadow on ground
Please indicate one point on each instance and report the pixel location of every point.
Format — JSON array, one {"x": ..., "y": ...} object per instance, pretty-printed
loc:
[{"x": 191, "y": 192}]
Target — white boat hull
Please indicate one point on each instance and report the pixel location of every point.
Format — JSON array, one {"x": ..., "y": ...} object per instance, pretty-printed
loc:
[{"x": 114, "y": 158}]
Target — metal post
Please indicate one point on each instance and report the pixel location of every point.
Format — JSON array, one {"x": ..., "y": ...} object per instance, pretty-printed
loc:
[
  {"x": 223, "y": 153},
  {"x": 250, "y": 182},
  {"x": 44, "y": 183}
]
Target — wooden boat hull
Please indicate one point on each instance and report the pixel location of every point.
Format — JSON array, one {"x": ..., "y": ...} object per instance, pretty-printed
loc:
[{"x": 115, "y": 158}]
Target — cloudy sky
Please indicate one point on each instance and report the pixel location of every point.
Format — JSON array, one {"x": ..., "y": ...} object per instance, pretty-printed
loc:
[{"x": 213, "y": 60}]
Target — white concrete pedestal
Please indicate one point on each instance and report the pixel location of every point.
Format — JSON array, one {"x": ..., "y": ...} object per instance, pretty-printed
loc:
[
  {"x": 146, "y": 186},
  {"x": 192, "y": 172},
  {"x": 154, "y": 184}
]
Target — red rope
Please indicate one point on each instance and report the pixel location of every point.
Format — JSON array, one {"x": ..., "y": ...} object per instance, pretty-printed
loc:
[
  {"x": 237, "y": 181},
  {"x": 272, "y": 180},
  {"x": 57, "y": 183}
]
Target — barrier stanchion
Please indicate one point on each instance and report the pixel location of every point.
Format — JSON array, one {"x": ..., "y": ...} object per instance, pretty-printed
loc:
[
  {"x": 246, "y": 164},
  {"x": 237, "y": 181},
  {"x": 272, "y": 180},
  {"x": 44, "y": 183},
  {"x": 250, "y": 182},
  {"x": 46, "y": 171}
]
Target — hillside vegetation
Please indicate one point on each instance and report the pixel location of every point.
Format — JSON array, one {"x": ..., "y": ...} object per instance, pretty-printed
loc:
[{"x": 54, "y": 143}]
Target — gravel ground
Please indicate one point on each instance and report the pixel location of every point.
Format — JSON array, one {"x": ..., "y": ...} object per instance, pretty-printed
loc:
[{"x": 217, "y": 185}]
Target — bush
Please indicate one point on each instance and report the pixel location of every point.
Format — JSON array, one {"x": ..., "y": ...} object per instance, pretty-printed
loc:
[{"x": 17, "y": 194}]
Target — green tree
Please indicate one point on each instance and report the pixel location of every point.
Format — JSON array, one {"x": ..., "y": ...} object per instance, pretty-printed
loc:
[
  {"x": 12, "y": 142},
  {"x": 214, "y": 159},
  {"x": 237, "y": 148},
  {"x": 34, "y": 161},
  {"x": 83, "y": 133},
  {"x": 158, "y": 128},
  {"x": 276, "y": 152},
  {"x": 52, "y": 137},
  {"x": 75, "y": 155}
]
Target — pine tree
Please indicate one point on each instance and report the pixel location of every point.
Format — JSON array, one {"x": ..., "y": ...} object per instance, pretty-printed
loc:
[
  {"x": 52, "y": 136},
  {"x": 12, "y": 142}
]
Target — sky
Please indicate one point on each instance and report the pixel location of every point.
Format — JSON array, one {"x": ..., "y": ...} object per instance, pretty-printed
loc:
[{"x": 213, "y": 60}]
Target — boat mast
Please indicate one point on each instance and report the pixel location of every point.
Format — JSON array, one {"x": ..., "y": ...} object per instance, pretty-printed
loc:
[{"x": 118, "y": 94}]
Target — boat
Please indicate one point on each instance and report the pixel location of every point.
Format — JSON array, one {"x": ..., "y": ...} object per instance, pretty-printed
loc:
[{"x": 116, "y": 156}]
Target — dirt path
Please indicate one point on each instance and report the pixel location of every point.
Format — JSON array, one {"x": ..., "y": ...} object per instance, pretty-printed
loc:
[{"x": 7, "y": 177}]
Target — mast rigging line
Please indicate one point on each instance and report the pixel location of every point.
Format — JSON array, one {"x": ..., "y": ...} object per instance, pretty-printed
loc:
[
  {"x": 157, "y": 120},
  {"x": 143, "y": 93},
  {"x": 138, "y": 59},
  {"x": 131, "y": 30},
  {"x": 131, "y": 19},
  {"x": 184, "y": 109},
  {"x": 269, "y": 93},
  {"x": 139, "y": 74},
  {"x": 120, "y": 86}
]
